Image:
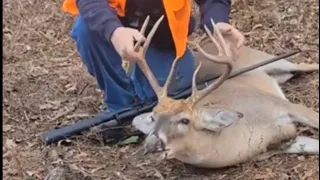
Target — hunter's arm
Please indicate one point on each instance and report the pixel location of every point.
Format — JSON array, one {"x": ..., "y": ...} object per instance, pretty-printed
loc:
[
  {"x": 218, "y": 10},
  {"x": 99, "y": 16}
]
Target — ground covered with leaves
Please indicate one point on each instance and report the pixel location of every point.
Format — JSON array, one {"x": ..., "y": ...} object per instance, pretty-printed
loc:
[{"x": 46, "y": 85}]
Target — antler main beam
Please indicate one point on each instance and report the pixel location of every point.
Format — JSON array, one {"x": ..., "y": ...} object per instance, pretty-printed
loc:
[{"x": 161, "y": 92}]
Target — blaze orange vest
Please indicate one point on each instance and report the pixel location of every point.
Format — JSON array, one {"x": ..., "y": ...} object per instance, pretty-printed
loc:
[{"x": 177, "y": 11}]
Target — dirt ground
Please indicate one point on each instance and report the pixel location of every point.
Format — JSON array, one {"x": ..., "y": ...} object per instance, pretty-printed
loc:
[{"x": 46, "y": 85}]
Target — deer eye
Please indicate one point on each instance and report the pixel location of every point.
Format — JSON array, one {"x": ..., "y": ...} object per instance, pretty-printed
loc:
[{"x": 185, "y": 121}]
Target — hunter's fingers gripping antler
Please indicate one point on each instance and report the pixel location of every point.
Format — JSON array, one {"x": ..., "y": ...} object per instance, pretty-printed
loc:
[
  {"x": 224, "y": 57},
  {"x": 161, "y": 92}
]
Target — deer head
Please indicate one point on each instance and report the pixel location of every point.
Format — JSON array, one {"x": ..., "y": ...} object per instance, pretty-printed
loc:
[{"x": 177, "y": 120}]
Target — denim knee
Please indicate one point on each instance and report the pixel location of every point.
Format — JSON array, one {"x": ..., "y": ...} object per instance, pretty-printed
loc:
[{"x": 82, "y": 33}]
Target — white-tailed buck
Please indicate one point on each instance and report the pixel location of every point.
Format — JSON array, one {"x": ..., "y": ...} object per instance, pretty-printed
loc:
[{"x": 230, "y": 121}]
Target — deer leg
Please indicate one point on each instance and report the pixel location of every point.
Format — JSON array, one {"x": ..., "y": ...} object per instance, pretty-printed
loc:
[
  {"x": 303, "y": 67},
  {"x": 303, "y": 145},
  {"x": 278, "y": 89},
  {"x": 282, "y": 78},
  {"x": 303, "y": 115},
  {"x": 300, "y": 145},
  {"x": 285, "y": 66},
  {"x": 298, "y": 114}
]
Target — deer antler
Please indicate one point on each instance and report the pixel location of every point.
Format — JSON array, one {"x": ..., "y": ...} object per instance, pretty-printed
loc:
[
  {"x": 161, "y": 92},
  {"x": 224, "y": 57}
]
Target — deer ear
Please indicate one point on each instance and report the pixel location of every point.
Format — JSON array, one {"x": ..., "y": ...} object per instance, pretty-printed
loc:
[{"x": 216, "y": 119}]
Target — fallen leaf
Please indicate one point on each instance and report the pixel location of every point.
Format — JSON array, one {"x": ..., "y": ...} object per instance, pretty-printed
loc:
[
  {"x": 158, "y": 174},
  {"x": 7, "y": 128},
  {"x": 121, "y": 175},
  {"x": 30, "y": 173},
  {"x": 12, "y": 171},
  {"x": 97, "y": 169},
  {"x": 123, "y": 149},
  {"x": 78, "y": 169},
  {"x": 56, "y": 173},
  {"x": 81, "y": 155},
  {"x": 71, "y": 87},
  {"x": 69, "y": 154},
  {"x": 130, "y": 140},
  {"x": 64, "y": 141},
  {"x": 301, "y": 158},
  {"x": 308, "y": 174},
  {"x": 10, "y": 144},
  {"x": 45, "y": 106},
  {"x": 53, "y": 154}
]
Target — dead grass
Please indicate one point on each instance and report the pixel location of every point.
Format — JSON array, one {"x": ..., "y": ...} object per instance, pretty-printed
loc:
[{"x": 46, "y": 85}]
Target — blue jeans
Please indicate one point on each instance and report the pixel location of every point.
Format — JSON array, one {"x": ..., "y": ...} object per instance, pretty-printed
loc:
[{"x": 104, "y": 63}]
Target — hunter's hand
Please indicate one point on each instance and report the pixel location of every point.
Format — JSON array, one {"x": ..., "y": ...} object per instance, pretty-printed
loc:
[
  {"x": 123, "y": 41},
  {"x": 232, "y": 36}
]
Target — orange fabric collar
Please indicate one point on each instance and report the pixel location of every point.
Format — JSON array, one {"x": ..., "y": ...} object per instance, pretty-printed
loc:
[{"x": 177, "y": 11}]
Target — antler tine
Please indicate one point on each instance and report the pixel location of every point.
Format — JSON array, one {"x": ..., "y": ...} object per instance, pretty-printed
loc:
[
  {"x": 194, "y": 82},
  {"x": 213, "y": 39},
  {"x": 220, "y": 38},
  {"x": 142, "y": 31},
  {"x": 225, "y": 58},
  {"x": 151, "y": 34},
  {"x": 169, "y": 78}
]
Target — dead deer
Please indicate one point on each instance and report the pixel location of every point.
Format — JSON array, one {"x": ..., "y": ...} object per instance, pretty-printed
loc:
[{"x": 230, "y": 121}]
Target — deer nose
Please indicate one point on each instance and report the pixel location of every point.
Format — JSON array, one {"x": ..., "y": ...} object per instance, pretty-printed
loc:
[
  {"x": 240, "y": 115},
  {"x": 144, "y": 123}
]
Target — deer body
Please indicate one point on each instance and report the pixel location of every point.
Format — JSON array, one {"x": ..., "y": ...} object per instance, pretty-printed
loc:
[
  {"x": 230, "y": 121},
  {"x": 266, "y": 121}
]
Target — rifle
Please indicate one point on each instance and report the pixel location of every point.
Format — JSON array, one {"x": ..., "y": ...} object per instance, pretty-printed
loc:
[{"x": 127, "y": 114}]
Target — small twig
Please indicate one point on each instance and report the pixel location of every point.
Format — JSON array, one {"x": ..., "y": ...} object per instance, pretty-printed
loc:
[
  {"x": 26, "y": 116},
  {"x": 64, "y": 58},
  {"x": 83, "y": 88},
  {"x": 62, "y": 114},
  {"x": 80, "y": 115},
  {"x": 158, "y": 174},
  {"x": 274, "y": 34},
  {"x": 62, "y": 42},
  {"x": 141, "y": 149}
]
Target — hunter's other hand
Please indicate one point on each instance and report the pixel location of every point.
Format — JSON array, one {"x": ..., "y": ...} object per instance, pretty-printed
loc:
[
  {"x": 232, "y": 36},
  {"x": 123, "y": 41}
]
